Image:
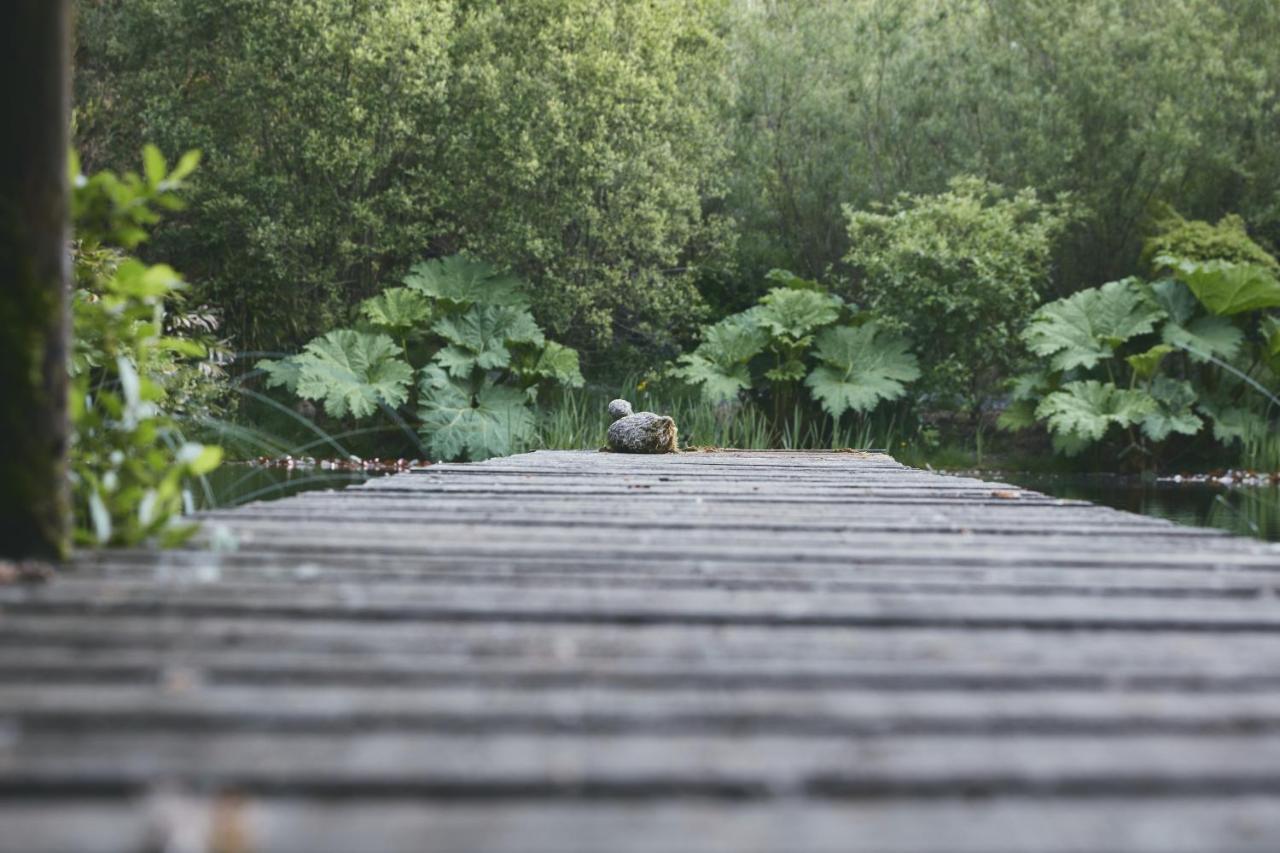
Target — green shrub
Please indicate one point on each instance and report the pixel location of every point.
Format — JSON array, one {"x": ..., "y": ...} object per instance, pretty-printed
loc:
[
  {"x": 799, "y": 338},
  {"x": 958, "y": 273},
  {"x": 131, "y": 467},
  {"x": 455, "y": 346},
  {"x": 1194, "y": 355},
  {"x": 1196, "y": 240},
  {"x": 571, "y": 140}
]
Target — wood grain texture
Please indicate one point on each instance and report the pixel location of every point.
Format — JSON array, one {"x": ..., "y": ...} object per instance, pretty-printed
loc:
[{"x": 578, "y": 651}]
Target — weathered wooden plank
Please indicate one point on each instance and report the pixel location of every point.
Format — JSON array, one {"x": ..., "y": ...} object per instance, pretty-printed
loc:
[
  {"x": 567, "y": 645},
  {"x": 816, "y": 712},
  {"x": 407, "y": 825},
  {"x": 503, "y": 764},
  {"x": 605, "y": 604}
]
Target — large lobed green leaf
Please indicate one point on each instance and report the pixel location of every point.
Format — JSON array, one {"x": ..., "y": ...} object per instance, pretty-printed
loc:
[
  {"x": 479, "y": 337},
  {"x": 465, "y": 281},
  {"x": 1083, "y": 411},
  {"x": 860, "y": 367},
  {"x": 794, "y": 313},
  {"x": 1086, "y": 327},
  {"x": 1225, "y": 287},
  {"x": 1174, "y": 399},
  {"x": 398, "y": 310},
  {"x": 461, "y": 423},
  {"x": 351, "y": 372},
  {"x": 718, "y": 367},
  {"x": 560, "y": 364}
]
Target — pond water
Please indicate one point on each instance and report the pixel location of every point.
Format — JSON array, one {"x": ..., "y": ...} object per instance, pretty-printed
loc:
[
  {"x": 236, "y": 483},
  {"x": 1244, "y": 510}
]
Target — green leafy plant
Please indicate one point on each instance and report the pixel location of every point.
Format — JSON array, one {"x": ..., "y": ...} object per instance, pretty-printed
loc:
[
  {"x": 799, "y": 338},
  {"x": 132, "y": 469},
  {"x": 859, "y": 367},
  {"x": 1155, "y": 362},
  {"x": 961, "y": 269},
  {"x": 455, "y": 349}
]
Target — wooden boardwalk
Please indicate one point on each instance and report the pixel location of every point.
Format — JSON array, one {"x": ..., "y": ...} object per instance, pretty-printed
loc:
[{"x": 721, "y": 651}]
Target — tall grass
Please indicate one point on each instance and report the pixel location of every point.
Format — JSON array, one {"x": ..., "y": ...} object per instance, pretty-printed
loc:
[{"x": 579, "y": 420}]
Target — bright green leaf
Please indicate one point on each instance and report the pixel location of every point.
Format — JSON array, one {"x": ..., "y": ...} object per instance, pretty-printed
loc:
[
  {"x": 398, "y": 310},
  {"x": 1225, "y": 287},
  {"x": 1204, "y": 337},
  {"x": 1087, "y": 409},
  {"x": 1086, "y": 327},
  {"x": 456, "y": 423},
  {"x": 860, "y": 367},
  {"x": 154, "y": 166},
  {"x": 353, "y": 373},
  {"x": 465, "y": 281},
  {"x": 1145, "y": 364},
  {"x": 559, "y": 363},
  {"x": 795, "y": 313}
]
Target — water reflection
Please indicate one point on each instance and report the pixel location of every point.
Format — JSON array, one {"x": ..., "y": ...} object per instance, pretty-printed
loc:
[
  {"x": 1244, "y": 510},
  {"x": 234, "y": 484}
]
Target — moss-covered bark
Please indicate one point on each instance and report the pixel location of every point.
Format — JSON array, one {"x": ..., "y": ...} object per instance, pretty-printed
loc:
[{"x": 33, "y": 278}]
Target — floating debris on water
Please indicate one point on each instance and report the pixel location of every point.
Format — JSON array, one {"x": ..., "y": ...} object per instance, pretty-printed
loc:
[{"x": 352, "y": 464}]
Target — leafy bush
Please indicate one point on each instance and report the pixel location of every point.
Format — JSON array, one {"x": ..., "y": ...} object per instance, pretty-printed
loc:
[
  {"x": 131, "y": 467},
  {"x": 571, "y": 140},
  {"x": 455, "y": 345},
  {"x": 960, "y": 270},
  {"x": 1196, "y": 240},
  {"x": 798, "y": 333},
  {"x": 1193, "y": 354}
]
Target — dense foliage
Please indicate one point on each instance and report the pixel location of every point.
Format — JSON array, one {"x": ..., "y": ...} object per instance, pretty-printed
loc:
[
  {"x": 964, "y": 266},
  {"x": 1155, "y": 365},
  {"x": 631, "y": 172},
  {"x": 1120, "y": 104},
  {"x": 454, "y": 346},
  {"x": 799, "y": 336},
  {"x": 573, "y": 141},
  {"x": 134, "y": 374}
]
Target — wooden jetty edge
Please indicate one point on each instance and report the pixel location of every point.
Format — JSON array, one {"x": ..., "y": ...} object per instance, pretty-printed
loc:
[{"x": 720, "y": 651}]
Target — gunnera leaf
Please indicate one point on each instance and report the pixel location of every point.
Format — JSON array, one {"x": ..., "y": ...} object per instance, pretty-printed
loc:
[
  {"x": 458, "y": 422},
  {"x": 1176, "y": 299},
  {"x": 718, "y": 367},
  {"x": 465, "y": 281},
  {"x": 1232, "y": 423},
  {"x": 1087, "y": 409},
  {"x": 1225, "y": 287},
  {"x": 860, "y": 367},
  {"x": 1204, "y": 337},
  {"x": 1174, "y": 399},
  {"x": 398, "y": 310},
  {"x": 479, "y": 337},
  {"x": 353, "y": 373},
  {"x": 789, "y": 313},
  {"x": 1086, "y": 327},
  {"x": 281, "y": 373},
  {"x": 1145, "y": 364},
  {"x": 560, "y": 364}
]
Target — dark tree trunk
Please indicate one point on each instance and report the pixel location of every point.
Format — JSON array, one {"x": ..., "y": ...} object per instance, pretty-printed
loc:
[{"x": 34, "y": 107}]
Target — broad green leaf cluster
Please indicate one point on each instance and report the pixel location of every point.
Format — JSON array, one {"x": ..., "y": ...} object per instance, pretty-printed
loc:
[
  {"x": 1192, "y": 355},
  {"x": 132, "y": 372},
  {"x": 798, "y": 335},
  {"x": 455, "y": 347}
]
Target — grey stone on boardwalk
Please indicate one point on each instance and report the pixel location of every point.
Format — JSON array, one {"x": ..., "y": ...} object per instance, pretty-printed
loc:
[
  {"x": 705, "y": 651},
  {"x": 640, "y": 432}
]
